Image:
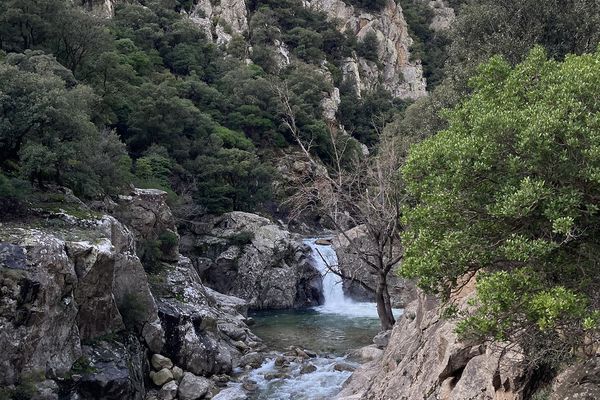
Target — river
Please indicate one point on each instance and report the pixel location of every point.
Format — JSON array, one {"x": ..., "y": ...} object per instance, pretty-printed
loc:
[{"x": 331, "y": 330}]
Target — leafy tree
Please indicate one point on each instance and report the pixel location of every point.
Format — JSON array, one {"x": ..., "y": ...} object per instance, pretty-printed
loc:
[
  {"x": 509, "y": 191},
  {"x": 368, "y": 47},
  {"x": 46, "y": 133}
]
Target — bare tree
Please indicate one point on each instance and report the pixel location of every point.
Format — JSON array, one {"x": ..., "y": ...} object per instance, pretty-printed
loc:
[{"x": 355, "y": 190}]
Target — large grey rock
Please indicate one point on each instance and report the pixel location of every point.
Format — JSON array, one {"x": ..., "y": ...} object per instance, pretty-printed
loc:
[
  {"x": 580, "y": 381},
  {"x": 147, "y": 213},
  {"x": 192, "y": 319},
  {"x": 256, "y": 260},
  {"x": 161, "y": 377},
  {"x": 425, "y": 359},
  {"x": 193, "y": 387},
  {"x": 66, "y": 280},
  {"x": 113, "y": 371},
  {"x": 168, "y": 391}
]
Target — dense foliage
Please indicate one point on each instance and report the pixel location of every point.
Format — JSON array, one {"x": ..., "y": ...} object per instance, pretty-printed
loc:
[{"x": 511, "y": 190}]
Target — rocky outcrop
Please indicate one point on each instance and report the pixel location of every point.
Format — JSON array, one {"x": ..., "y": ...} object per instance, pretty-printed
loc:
[
  {"x": 396, "y": 71},
  {"x": 66, "y": 283},
  {"x": 424, "y": 359},
  {"x": 362, "y": 278},
  {"x": 578, "y": 381},
  {"x": 443, "y": 15},
  {"x": 220, "y": 20},
  {"x": 248, "y": 256}
]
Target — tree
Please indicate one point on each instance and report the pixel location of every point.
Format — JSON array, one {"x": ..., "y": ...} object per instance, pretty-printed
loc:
[
  {"x": 368, "y": 47},
  {"x": 355, "y": 191},
  {"x": 509, "y": 193}
]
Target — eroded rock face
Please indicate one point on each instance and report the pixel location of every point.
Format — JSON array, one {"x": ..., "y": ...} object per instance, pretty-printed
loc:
[
  {"x": 425, "y": 360},
  {"x": 401, "y": 291},
  {"x": 401, "y": 76},
  {"x": 221, "y": 20},
  {"x": 578, "y": 381},
  {"x": 250, "y": 257}
]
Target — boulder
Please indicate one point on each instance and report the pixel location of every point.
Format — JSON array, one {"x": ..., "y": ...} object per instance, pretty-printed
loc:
[
  {"x": 161, "y": 377},
  {"x": 342, "y": 366},
  {"x": 382, "y": 339},
  {"x": 177, "y": 373},
  {"x": 254, "y": 259},
  {"x": 168, "y": 391},
  {"x": 193, "y": 387},
  {"x": 368, "y": 353},
  {"x": 159, "y": 362},
  {"x": 112, "y": 371}
]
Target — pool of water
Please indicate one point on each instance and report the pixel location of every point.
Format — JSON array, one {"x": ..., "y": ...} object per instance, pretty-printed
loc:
[{"x": 312, "y": 329}]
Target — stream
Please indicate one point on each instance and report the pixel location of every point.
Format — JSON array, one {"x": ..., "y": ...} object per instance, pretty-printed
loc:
[{"x": 331, "y": 330}]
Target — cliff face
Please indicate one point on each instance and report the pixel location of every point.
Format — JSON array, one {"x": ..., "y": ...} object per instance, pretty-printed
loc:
[
  {"x": 221, "y": 20},
  {"x": 396, "y": 72},
  {"x": 425, "y": 360}
]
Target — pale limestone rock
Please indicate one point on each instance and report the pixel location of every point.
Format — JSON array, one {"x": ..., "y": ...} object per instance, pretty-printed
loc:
[
  {"x": 221, "y": 20},
  {"x": 425, "y": 359},
  {"x": 401, "y": 76}
]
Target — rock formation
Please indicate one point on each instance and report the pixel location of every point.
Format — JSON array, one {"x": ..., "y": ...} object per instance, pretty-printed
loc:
[
  {"x": 397, "y": 73},
  {"x": 425, "y": 360},
  {"x": 248, "y": 256},
  {"x": 221, "y": 20},
  {"x": 79, "y": 314}
]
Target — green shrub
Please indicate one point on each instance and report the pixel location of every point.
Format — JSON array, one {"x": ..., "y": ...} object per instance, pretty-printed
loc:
[{"x": 242, "y": 238}]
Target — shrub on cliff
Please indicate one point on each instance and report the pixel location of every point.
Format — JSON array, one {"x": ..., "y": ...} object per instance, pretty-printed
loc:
[{"x": 510, "y": 191}]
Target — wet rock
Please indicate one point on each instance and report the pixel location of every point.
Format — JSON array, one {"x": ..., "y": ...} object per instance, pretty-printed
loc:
[
  {"x": 281, "y": 361},
  {"x": 276, "y": 375},
  {"x": 168, "y": 391},
  {"x": 250, "y": 385},
  {"x": 310, "y": 353},
  {"x": 254, "y": 360},
  {"x": 221, "y": 380},
  {"x": 341, "y": 367},
  {"x": 323, "y": 242},
  {"x": 382, "y": 339},
  {"x": 161, "y": 377},
  {"x": 308, "y": 369},
  {"x": 193, "y": 387},
  {"x": 159, "y": 362}
]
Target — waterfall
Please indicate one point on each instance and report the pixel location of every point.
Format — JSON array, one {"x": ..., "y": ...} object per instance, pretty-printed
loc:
[
  {"x": 336, "y": 302},
  {"x": 325, "y": 259}
]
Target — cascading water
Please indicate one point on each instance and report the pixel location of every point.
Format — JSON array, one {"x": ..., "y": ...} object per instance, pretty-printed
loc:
[{"x": 325, "y": 258}]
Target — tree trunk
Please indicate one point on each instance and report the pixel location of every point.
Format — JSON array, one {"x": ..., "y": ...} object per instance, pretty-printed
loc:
[{"x": 384, "y": 308}]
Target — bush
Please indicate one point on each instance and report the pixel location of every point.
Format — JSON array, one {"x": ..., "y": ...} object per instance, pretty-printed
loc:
[{"x": 243, "y": 238}]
